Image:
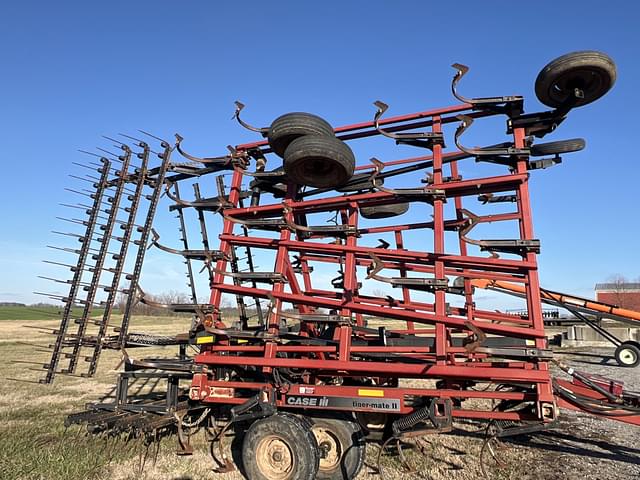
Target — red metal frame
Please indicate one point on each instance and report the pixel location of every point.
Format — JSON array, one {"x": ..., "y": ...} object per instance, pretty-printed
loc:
[{"x": 319, "y": 365}]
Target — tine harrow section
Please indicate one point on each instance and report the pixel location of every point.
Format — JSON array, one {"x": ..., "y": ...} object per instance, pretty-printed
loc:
[
  {"x": 120, "y": 258},
  {"x": 78, "y": 270},
  {"x": 145, "y": 231},
  {"x": 95, "y": 287}
]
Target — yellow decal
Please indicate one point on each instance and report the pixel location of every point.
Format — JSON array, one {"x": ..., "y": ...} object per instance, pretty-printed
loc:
[
  {"x": 207, "y": 339},
  {"x": 370, "y": 393}
]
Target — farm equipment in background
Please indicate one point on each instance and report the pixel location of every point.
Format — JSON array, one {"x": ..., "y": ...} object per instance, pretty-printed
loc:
[
  {"x": 312, "y": 364},
  {"x": 627, "y": 352}
]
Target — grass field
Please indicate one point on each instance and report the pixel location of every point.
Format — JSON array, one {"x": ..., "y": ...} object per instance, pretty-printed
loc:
[
  {"x": 35, "y": 446},
  {"x": 37, "y": 312}
]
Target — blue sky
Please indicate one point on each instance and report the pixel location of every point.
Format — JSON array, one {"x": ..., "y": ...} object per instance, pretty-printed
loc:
[{"x": 76, "y": 70}]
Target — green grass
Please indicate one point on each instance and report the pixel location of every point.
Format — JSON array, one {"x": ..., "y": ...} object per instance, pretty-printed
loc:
[
  {"x": 34, "y": 444},
  {"x": 38, "y": 312}
]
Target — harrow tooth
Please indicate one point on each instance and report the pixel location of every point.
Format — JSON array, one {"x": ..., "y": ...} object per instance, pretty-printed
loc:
[{"x": 36, "y": 345}]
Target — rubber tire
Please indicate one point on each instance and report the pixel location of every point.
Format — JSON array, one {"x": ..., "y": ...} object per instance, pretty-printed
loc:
[
  {"x": 288, "y": 127},
  {"x": 561, "y": 146},
  {"x": 352, "y": 443},
  {"x": 628, "y": 347},
  {"x": 323, "y": 162},
  {"x": 295, "y": 433},
  {"x": 593, "y": 72},
  {"x": 384, "y": 211}
]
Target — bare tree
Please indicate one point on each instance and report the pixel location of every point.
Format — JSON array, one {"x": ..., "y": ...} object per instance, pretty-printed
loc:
[{"x": 619, "y": 285}]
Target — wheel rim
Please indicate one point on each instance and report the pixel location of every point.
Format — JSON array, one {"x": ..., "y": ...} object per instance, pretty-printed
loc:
[
  {"x": 330, "y": 448},
  {"x": 628, "y": 356},
  {"x": 275, "y": 459},
  {"x": 592, "y": 82}
]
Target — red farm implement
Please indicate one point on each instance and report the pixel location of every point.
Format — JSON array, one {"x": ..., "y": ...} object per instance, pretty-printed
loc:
[{"x": 396, "y": 340}]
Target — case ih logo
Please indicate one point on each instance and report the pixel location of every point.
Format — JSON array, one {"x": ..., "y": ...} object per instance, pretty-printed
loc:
[{"x": 308, "y": 401}]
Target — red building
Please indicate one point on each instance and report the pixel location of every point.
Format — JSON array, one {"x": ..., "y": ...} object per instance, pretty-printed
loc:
[{"x": 625, "y": 295}]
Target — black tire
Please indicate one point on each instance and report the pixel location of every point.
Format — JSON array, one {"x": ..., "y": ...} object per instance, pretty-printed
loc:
[
  {"x": 319, "y": 161},
  {"x": 628, "y": 354},
  {"x": 561, "y": 146},
  {"x": 288, "y": 127},
  {"x": 280, "y": 447},
  {"x": 592, "y": 72},
  {"x": 342, "y": 447},
  {"x": 384, "y": 211}
]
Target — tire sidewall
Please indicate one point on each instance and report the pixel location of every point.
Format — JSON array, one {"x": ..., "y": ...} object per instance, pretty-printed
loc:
[
  {"x": 319, "y": 149},
  {"x": 292, "y": 431},
  {"x": 352, "y": 443}
]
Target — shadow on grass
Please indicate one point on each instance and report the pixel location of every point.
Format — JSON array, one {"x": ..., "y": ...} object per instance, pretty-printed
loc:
[{"x": 560, "y": 442}]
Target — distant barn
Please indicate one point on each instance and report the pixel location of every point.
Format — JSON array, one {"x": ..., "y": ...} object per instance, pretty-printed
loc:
[{"x": 622, "y": 294}]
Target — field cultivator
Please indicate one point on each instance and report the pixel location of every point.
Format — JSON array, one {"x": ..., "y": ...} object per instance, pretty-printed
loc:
[{"x": 395, "y": 343}]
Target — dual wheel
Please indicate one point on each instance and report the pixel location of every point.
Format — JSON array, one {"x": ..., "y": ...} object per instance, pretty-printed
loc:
[
  {"x": 312, "y": 154},
  {"x": 290, "y": 447}
]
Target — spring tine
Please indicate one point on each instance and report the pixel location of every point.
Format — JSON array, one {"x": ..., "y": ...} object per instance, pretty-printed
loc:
[
  {"x": 81, "y": 238},
  {"x": 81, "y": 206},
  {"x": 55, "y": 279},
  {"x": 64, "y": 249},
  {"x": 88, "y": 268},
  {"x": 66, "y": 234},
  {"x": 40, "y": 348},
  {"x": 83, "y": 222},
  {"x": 76, "y": 191},
  {"x": 44, "y": 329},
  {"x": 114, "y": 155},
  {"x": 22, "y": 380},
  {"x": 50, "y": 295},
  {"x": 78, "y": 206},
  {"x": 62, "y": 298},
  {"x": 164, "y": 143},
  {"x": 92, "y": 154},
  {"x": 86, "y": 193},
  {"x": 140, "y": 142},
  {"x": 74, "y": 220},
  {"x": 74, "y": 250},
  {"x": 71, "y": 267},
  {"x": 87, "y": 166},
  {"x": 118, "y": 143},
  {"x": 83, "y": 179}
]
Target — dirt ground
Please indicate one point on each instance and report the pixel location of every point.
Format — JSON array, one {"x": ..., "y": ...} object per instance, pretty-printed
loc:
[{"x": 35, "y": 445}]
